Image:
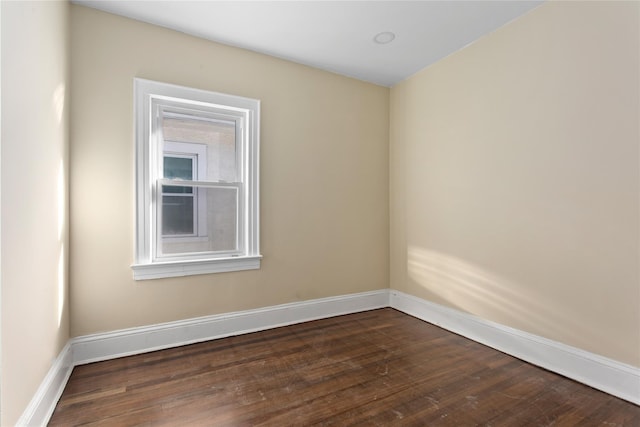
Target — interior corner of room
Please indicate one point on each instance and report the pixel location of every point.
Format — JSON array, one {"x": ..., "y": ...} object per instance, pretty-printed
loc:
[{"x": 496, "y": 192}]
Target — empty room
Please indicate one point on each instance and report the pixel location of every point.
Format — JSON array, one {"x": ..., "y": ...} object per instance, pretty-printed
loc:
[{"x": 244, "y": 213}]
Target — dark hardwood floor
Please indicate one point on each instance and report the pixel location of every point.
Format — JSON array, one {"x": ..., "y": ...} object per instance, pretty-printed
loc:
[{"x": 375, "y": 368}]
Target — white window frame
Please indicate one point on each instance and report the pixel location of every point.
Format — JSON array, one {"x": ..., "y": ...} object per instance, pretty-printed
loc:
[{"x": 151, "y": 97}]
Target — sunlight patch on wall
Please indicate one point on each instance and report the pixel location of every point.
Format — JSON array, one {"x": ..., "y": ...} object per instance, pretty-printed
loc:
[
  {"x": 61, "y": 286},
  {"x": 62, "y": 220},
  {"x": 61, "y": 201},
  {"x": 58, "y": 101},
  {"x": 475, "y": 290}
]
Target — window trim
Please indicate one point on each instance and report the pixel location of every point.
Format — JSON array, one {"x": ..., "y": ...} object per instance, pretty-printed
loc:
[{"x": 147, "y": 94}]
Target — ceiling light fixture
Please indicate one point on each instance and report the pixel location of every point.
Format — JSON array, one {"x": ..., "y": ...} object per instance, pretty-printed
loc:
[{"x": 384, "y": 37}]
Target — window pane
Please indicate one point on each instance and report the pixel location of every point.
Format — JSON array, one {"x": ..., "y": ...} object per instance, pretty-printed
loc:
[
  {"x": 219, "y": 138},
  {"x": 223, "y": 213},
  {"x": 177, "y": 215},
  {"x": 178, "y": 168},
  {"x": 216, "y": 221}
]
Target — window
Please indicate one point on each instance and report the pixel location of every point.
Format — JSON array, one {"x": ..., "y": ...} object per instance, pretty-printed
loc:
[{"x": 196, "y": 181}]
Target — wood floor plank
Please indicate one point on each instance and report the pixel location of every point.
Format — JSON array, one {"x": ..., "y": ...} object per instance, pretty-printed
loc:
[{"x": 380, "y": 367}]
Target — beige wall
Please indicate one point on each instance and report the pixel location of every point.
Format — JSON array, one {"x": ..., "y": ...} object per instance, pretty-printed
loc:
[
  {"x": 324, "y": 177},
  {"x": 34, "y": 209},
  {"x": 515, "y": 178}
]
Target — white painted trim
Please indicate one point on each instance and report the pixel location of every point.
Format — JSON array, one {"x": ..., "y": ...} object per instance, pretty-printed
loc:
[
  {"x": 43, "y": 403},
  {"x": 97, "y": 347},
  {"x": 159, "y": 270},
  {"x": 610, "y": 376}
]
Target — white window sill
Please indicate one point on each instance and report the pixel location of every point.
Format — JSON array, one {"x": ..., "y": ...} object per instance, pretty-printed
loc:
[{"x": 159, "y": 270}]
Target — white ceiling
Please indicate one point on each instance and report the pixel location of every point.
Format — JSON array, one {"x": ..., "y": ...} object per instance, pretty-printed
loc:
[{"x": 335, "y": 36}]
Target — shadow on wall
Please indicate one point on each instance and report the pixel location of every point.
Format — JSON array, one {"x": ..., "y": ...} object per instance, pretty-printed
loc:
[{"x": 471, "y": 289}]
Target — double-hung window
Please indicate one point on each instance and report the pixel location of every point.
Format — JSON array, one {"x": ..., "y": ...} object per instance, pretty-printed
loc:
[{"x": 196, "y": 181}]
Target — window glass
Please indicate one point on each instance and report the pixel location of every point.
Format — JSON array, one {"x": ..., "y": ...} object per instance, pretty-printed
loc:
[
  {"x": 218, "y": 217},
  {"x": 202, "y": 218},
  {"x": 178, "y": 167},
  {"x": 177, "y": 215},
  {"x": 178, "y": 210},
  {"x": 218, "y": 136}
]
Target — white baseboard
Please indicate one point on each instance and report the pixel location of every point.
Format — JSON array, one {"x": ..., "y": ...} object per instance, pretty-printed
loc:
[
  {"x": 93, "y": 348},
  {"x": 596, "y": 371},
  {"x": 41, "y": 407},
  {"x": 599, "y": 372}
]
